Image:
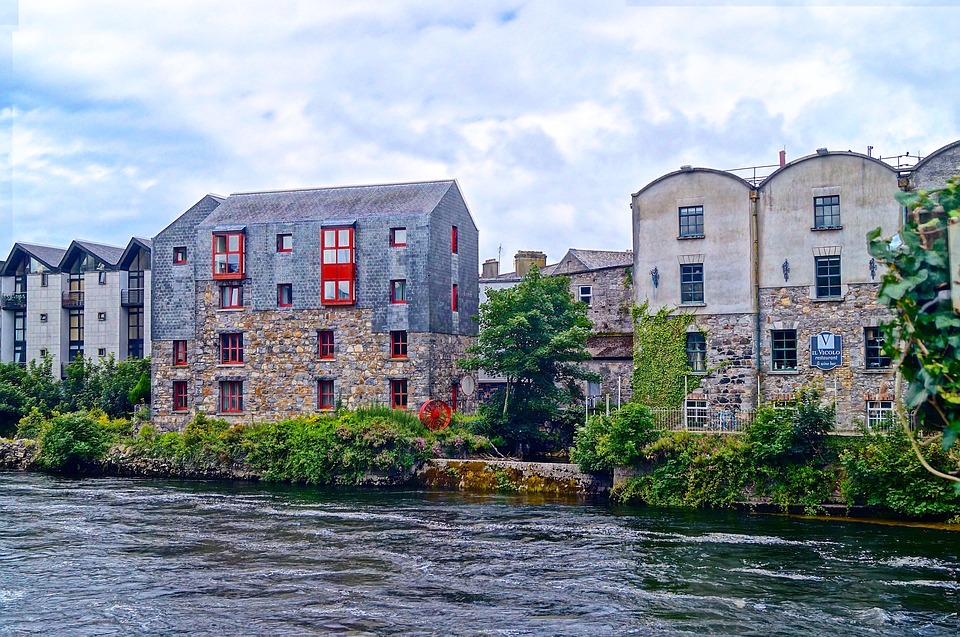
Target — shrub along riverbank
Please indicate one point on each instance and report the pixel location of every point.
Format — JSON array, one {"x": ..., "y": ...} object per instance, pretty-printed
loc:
[{"x": 786, "y": 457}]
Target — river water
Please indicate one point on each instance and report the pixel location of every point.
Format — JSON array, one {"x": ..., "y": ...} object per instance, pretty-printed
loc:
[{"x": 136, "y": 557}]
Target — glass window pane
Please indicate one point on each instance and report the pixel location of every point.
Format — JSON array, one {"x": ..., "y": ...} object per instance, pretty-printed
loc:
[
  {"x": 343, "y": 287},
  {"x": 329, "y": 290},
  {"x": 344, "y": 238}
]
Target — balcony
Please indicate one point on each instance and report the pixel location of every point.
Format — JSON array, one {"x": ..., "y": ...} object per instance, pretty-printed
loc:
[
  {"x": 16, "y": 301},
  {"x": 72, "y": 300},
  {"x": 132, "y": 297}
]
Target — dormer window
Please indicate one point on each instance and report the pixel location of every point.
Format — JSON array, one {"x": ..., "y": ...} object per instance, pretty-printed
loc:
[{"x": 228, "y": 255}]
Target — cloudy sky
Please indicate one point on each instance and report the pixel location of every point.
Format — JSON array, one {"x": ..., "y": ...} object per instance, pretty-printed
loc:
[{"x": 119, "y": 115}]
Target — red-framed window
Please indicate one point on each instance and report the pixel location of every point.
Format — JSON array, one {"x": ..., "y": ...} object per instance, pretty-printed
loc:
[
  {"x": 228, "y": 255},
  {"x": 231, "y": 297},
  {"x": 398, "y": 393},
  {"x": 179, "y": 395},
  {"x": 454, "y": 298},
  {"x": 231, "y": 396},
  {"x": 337, "y": 266},
  {"x": 179, "y": 353},
  {"x": 285, "y": 295},
  {"x": 179, "y": 255},
  {"x": 454, "y": 240},
  {"x": 454, "y": 395},
  {"x": 325, "y": 344},
  {"x": 325, "y": 395},
  {"x": 398, "y": 237},
  {"x": 231, "y": 349},
  {"x": 398, "y": 291},
  {"x": 285, "y": 242},
  {"x": 398, "y": 344}
]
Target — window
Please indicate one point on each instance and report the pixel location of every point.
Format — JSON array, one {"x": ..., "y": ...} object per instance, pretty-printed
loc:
[
  {"x": 179, "y": 395},
  {"x": 696, "y": 352},
  {"x": 75, "y": 328},
  {"x": 828, "y": 277},
  {"x": 337, "y": 266},
  {"x": 873, "y": 348},
  {"x": 101, "y": 316},
  {"x": 585, "y": 294},
  {"x": 398, "y": 393},
  {"x": 135, "y": 332},
  {"x": 228, "y": 255},
  {"x": 101, "y": 278},
  {"x": 325, "y": 344},
  {"x": 43, "y": 317},
  {"x": 20, "y": 337},
  {"x": 691, "y": 283},
  {"x": 179, "y": 255},
  {"x": 231, "y": 396},
  {"x": 285, "y": 295},
  {"x": 231, "y": 297},
  {"x": 398, "y": 291},
  {"x": 101, "y": 352},
  {"x": 325, "y": 396},
  {"x": 454, "y": 240},
  {"x": 784, "y": 350},
  {"x": 231, "y": 349},
  {"x": 826, "y": 212},
  {"x": 398, "y": 237},
  {"x": 880, "y": 413},
  {"x": 179, "y": 353},
  {"x": 43, "y": 352},
  {"x": 696, "y": 413},
  {"x": 284, "y": 243},
  {"x": 398, "y": 344},
  {"x": 44, "y": 279},
  {"x": 691, "y": 221},
  {"x": 455, "y": 298}
]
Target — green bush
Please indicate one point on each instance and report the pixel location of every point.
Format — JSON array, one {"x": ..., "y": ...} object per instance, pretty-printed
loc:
[
  {"x": 603, "y": 443},
  {"x": 792, "y": 433},
  {"x": 71, "y": 440}
]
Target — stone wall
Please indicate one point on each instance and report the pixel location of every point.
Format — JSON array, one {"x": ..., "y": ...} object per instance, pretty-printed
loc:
[
  {"x": 731, "y": 378},
  {"x": 506, "y": 475},
  {"x": 612, "y": 298}
]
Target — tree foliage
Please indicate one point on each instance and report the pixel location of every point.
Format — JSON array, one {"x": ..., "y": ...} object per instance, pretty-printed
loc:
[{"x": 534, "y": 334}]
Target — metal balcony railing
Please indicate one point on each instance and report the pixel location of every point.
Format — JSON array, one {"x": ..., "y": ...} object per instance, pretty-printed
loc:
[
  {"x": 132, "y": 297},
  {"x": 73, "y": 299},
  {"x": 16, "y": 301}
]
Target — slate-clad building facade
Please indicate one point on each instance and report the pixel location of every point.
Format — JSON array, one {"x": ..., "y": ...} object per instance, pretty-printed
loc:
[{"x": 274, "y": 304}]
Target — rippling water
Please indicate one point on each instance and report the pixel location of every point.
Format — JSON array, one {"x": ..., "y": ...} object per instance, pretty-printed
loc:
[{"x": 127, "y": 557}]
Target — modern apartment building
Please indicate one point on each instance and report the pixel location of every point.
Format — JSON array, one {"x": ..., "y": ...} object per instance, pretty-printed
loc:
[{"x": 274, "y": 304}]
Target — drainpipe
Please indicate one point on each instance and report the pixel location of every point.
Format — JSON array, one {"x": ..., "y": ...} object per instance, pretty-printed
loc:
[{"x": 755, "y": 231}]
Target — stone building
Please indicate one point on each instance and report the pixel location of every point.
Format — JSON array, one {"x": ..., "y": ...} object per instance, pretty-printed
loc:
[
  {"x": 275, "y": 304},
  {"x": 89, "y": 300},
  {"x": 778, "y": 278}
]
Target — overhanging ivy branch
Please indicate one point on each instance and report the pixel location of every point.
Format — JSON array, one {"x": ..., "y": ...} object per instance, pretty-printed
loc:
[
  {"x": 660, "y": 357},
  {"x": 924, "y": 335}
]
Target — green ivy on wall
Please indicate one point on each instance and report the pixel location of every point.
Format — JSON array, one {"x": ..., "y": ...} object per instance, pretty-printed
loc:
[{"x": 660, "y": 357}]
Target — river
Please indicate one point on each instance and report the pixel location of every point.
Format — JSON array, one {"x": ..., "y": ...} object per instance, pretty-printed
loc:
[{"x": 113, "y": 556}]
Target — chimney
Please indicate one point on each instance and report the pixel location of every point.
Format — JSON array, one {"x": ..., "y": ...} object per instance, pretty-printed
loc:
[
  {"x": 491, "y": 269},
  {"x": 783, "y": 158},
  {"x": 527, "y": 258},
  {"x": 869, "y": 151}
]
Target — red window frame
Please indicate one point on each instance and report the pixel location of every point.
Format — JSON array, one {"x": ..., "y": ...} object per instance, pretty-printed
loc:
[
  {"x": 231, "y": 396},
  {"x": 231, "y": 348},
  {"x": 398, "y": 291},
  {"x": 231, "y": 297},
  {"x": 179, "y": 353},
  {"x": 284, "y": 295},
  {"x": 179, "y": 395},
  {"x": 454, "y": 395},
  {"x": 398, "y": 344},
  {"x": 179, "y": 255},
  {"x": 228, "y": 255},
  {"x": 325, "y": 344},
  {"x": 393, "y": 237},
  {"x": 454, "y": 298},
  {"x": 399, "y": 396},
  {"x": 337, "y": 266},
  {"x": 326, "y": 398},
  {"x": 284, "y": 242},
  {"x": 454, "y": 240}
]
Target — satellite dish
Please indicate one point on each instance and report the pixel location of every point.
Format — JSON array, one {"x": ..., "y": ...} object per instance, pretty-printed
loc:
[{"x": 468, "y": 385}]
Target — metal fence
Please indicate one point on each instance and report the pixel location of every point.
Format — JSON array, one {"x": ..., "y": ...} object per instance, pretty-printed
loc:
[{"x": 699, "y": 416}]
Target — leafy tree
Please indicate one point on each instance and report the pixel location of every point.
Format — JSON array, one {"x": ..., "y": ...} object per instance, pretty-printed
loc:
[
  {"x": 71, "y": 440},
  {"x": 534, "y": 334}
]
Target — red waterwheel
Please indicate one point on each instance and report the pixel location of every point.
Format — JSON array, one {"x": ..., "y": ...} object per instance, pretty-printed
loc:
[{"x": 435, "y": 414}]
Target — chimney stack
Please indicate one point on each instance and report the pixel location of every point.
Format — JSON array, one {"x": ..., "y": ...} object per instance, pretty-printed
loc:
[
  {"x": 525, "y": 259},
  {"x": 783, "y": 158},
  {"x": 491, "y": 269}
]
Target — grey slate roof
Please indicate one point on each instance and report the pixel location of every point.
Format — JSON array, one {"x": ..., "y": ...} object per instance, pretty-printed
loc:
[
  {"x": 48, "y": 255},
  {"x": 110, "y": 255},
  {"x": 598, "y": 259},
  {"x": 318, "y": 204}
]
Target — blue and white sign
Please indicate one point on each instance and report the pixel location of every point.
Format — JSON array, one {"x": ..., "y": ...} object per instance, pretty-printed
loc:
[{"x": 826, "y": 350}]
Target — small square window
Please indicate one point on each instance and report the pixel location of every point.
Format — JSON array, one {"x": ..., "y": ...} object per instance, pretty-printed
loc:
[
  {"x": 179, "y": 255},
  {"x": 101, "y": 316},
  {"x": 398, "y": 393},
  {"x": 101, "y": 278},
  {"x": 43, "y": 352},
  {"x": 284, "y": 243},
  {"x": 179, "y": 395},
  {"x": 691, "y": 283},
  {"x": 325, "y": 344},
  {"x": 585, "y": 294},
  {"x": 691, "y": 221},
  {"x": 101, "y": 352},
  {"x": 696, "y": 352},
  {"x": 44, "y": 279},
  {"x": 696, "y": 413},
  {"x": 398, "y": 237},
  {"x": 880, "y": 414},
  {"x": 179, "y": 353},
  {"x": 826, "y": 212},
  {"x": 231, "y": 297},
  {"x": 231, "y": 349},
  {"x": 828, "y": 277},
  {"x": 398, "y": 291},
  {"x": 873, "y": 349},
  {"x": 784, "y": 350},
  {"x": 398, "y": 344},
  {"x": 285, "y": 295},
  {"x": 43, "y": 318},
  {"x": 325, "y": 396}
]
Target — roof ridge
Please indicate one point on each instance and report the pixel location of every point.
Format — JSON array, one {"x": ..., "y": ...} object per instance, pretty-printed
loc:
[{"x": 316, "y": 188}]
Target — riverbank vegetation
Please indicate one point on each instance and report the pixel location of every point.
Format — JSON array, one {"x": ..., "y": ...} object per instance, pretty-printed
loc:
[{"x": 785, "y": 457}]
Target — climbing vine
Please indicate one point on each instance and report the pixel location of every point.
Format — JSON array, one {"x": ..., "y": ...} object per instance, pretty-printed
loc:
[{"x": 660, "y": 357}]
